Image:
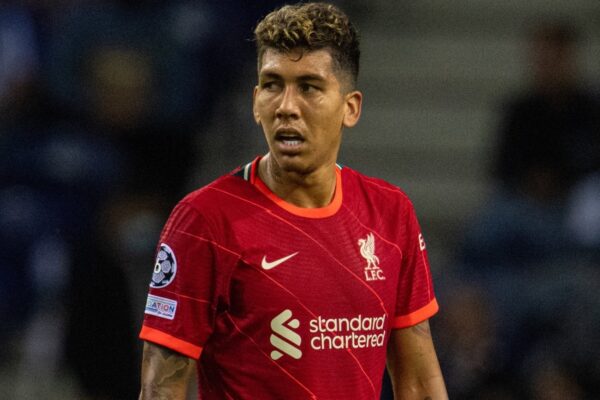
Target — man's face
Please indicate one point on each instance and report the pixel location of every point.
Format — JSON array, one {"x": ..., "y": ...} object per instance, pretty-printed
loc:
[
  {"x": 553, "y": 64},
  {"x": 302, "y": 107}
]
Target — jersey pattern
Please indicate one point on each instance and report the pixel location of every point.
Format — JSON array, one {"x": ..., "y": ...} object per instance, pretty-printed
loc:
[{"x": 281, "y": 302}]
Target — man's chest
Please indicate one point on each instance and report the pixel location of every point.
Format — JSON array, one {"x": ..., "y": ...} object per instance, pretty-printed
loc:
[{"x": 314, "y": 286}]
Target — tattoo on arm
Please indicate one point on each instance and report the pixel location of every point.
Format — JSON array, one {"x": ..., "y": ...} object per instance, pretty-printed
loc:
[
  {"x": 165, "y": 373},
  {"x": 422, "y": 330}
]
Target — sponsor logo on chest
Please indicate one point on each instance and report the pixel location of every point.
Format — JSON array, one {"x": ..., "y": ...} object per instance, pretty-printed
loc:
[{"x": 340, "y": 333}]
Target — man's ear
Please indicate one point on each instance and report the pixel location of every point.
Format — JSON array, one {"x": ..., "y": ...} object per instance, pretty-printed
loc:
[
  {"x": 353, "y": 108},
  {"x": 254, "y": 110}
]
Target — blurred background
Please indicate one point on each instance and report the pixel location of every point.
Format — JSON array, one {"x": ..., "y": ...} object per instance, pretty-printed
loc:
[{"x": 486, "y": 113}]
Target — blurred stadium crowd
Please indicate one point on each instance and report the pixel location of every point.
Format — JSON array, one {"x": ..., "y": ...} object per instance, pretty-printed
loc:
[
  {"x": 101, "y": 107},
  {"x": 522, "y": 318}
]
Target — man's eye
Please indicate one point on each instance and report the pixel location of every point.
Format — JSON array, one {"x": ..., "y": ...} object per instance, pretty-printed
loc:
[
  {"x": 269, "y": 85},
  {"x": 307, "y": 88}
]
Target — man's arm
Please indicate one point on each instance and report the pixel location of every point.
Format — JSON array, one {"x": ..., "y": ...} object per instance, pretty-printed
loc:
[
  {"x": 413, "y": 365},
  {"x": 165, "y": 373}
]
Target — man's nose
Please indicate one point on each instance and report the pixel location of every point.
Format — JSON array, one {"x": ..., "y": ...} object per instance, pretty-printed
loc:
[{"x": 288, "y": 106}]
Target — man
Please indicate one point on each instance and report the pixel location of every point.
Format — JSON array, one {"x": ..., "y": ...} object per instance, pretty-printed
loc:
[
  {"x": 548, "y": 137},
  {"x": 548, "y": 143},
  {"x": 293, "y": 277}
]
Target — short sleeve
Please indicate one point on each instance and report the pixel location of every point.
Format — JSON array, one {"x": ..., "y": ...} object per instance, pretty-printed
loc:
[
  {"x": 183, "y": 293},
  {"x": 415, "y": 301}
]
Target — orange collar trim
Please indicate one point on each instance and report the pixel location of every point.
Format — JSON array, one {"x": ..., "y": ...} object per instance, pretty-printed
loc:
[{"x": 321, "y": 212}]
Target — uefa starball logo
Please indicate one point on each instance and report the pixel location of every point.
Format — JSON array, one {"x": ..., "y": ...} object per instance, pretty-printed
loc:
[{"x": 165, "y": 267}]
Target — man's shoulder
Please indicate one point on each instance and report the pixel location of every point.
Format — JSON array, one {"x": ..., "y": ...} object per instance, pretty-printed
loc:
[
  {"x": 215, "y": 193},
  {"x": 366, "y": 195},
  {"x": 373, "y": 186}
]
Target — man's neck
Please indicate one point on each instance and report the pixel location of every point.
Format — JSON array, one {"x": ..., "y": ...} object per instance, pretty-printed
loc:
[{"x": 313, "y": 190}]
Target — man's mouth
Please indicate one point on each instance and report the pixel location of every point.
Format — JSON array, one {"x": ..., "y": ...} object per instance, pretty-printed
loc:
[
  {"x": 291, "y": 142},
  {"x": 289, "y": 138}
]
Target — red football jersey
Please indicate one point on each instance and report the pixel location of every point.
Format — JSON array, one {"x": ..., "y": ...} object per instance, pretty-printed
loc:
[{"x": 282, "y": 302}]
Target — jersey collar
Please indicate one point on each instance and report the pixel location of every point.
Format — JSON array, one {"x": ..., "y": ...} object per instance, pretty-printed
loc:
[{"x": 320, "y": 212}]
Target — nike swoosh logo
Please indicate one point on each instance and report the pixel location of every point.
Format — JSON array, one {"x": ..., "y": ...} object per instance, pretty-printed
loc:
[{"x": 270, "y": 265}]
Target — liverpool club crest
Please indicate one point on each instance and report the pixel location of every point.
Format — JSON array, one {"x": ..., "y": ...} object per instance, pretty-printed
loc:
[{"x": 367, "y": 250}]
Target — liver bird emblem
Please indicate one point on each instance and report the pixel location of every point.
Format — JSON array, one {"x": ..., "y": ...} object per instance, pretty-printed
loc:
[{"x": 367, "y": 250}]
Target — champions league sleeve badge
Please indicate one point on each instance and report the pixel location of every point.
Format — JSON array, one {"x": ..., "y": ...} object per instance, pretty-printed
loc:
[{"x": 165, "y": 267}]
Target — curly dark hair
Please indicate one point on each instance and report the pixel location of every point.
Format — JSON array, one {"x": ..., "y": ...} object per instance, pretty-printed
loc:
[{"x": 311, "y": 26}]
